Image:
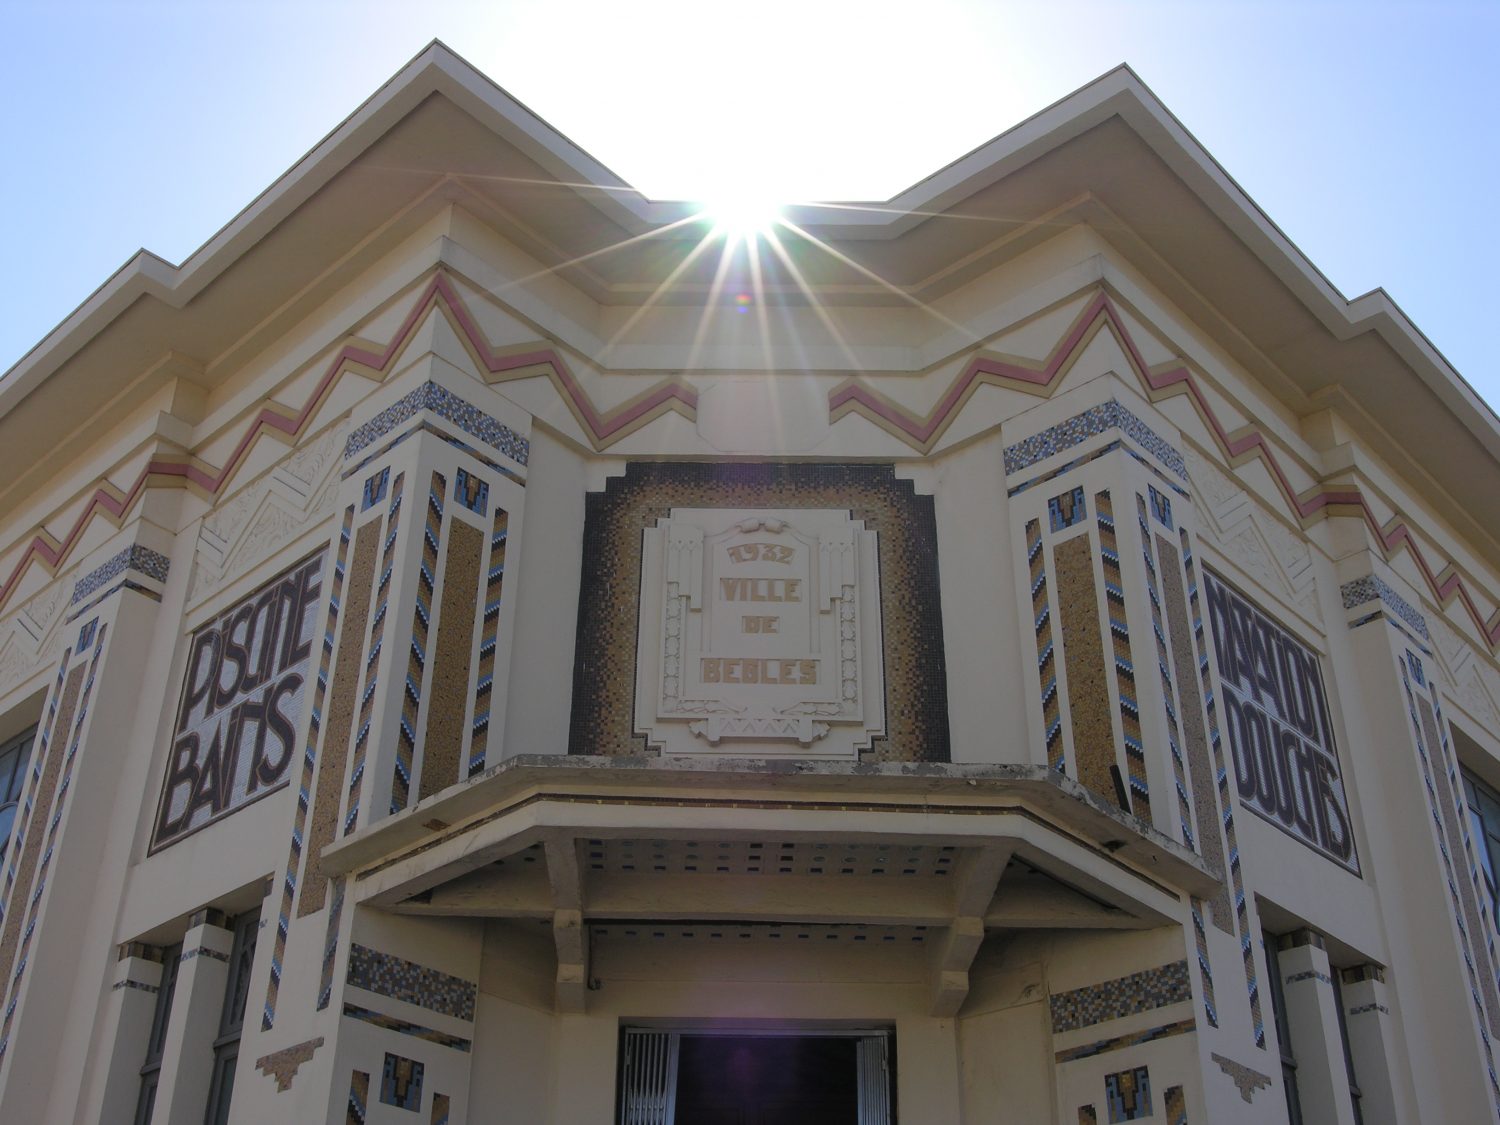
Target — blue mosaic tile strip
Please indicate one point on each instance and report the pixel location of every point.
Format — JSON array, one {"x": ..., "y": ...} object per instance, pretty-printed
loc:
[
  {"x": 415, "y": 984},
  {"x": 444, "y": 403},
  {"x": 1123, "y": 996},
  {"x": 1150, "y": 1035},
  {"x": 140, "y": 559},
  {"x": 1079, "y": 428},
  {"x": 416, "y": 1030},
  {"x": 1371, "y": 588}
]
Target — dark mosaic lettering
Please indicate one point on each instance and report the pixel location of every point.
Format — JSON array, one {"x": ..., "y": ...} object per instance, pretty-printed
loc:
[
  {"x": 1286, "y": 767},
  {"x": 241, "y": 700}
]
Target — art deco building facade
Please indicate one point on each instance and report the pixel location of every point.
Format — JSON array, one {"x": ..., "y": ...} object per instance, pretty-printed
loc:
[{"x": 480, "y": 646}]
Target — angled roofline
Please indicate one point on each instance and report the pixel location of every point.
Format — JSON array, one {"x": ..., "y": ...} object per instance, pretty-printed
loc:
[{"x": 438, "y": 69}]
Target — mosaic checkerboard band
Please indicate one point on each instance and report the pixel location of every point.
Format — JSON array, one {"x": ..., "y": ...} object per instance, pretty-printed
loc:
[
  {"x": 1046, "y": 653},
  {"x": 484, "y": 683},
  {"x": 54, "y": 823},
  {"x": 1092, "y": 422},
  {"x": 1451, "y": 875},
  {"x": 1123, "y": 996},
  {"x": 1124, "y": 665},
  {"x": 372, "y": 658},
  {"x": 448, "y": 406},
  {"x": 141, "y": 560},
  {"x": 309, "y": 763},
  {"x": 404, "y": 980},
  {"x": 1221, "y": 772},
  {"x": 1371, "y": 588}
]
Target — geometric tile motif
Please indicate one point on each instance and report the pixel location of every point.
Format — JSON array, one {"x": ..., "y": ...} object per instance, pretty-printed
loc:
[
  {"x": 1067, "y": 509},
  {"x": 1127, "y": 1094},
  {"x": 1246, "y": 1079},
  {"x": 401, "y": 1082},
  {"x": 374, "y": 490},
  {"x": 1079, "y": 428},
  {"x": 1123, "y": 996},
  {"x": 440, "y": 1109},
  {"x": 1161, "y": 507},
  {"x": 412, "y": 983},
  {"x": 472, "y": 492}
]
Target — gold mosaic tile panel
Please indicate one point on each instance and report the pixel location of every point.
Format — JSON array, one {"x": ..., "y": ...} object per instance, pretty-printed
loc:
[
  {"x": 1083, "y": 656},
  {"x": 445, "y": 741},
  {"x": 910, "y": 601},
  {"x": 343, "y": 696}
]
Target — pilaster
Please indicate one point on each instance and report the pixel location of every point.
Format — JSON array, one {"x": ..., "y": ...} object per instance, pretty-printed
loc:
[{"x": 188, "y": 1056}]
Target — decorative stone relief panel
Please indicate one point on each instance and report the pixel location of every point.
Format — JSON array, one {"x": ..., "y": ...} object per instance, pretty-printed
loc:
[
  {"x": 871, "y": 524},
  {"x": 767, "y": 633}
]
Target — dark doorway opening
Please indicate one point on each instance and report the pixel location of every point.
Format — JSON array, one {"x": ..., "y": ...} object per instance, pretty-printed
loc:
[{"x": 767, "y": 1080}]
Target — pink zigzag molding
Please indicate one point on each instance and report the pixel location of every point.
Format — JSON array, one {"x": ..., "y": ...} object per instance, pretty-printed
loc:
[
  {"x": 922, "y": 433},
  {"x": 603, "y": 427}
]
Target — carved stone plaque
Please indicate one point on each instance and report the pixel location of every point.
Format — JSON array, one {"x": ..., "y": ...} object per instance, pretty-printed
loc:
[{"x": 760, "y": 633}]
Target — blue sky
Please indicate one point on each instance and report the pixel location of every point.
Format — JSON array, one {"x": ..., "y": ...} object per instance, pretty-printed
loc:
[{"x": 1367, "y": 131}]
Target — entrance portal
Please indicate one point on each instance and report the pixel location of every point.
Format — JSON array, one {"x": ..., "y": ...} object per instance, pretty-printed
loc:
[{"x": 736, "y": 1077}]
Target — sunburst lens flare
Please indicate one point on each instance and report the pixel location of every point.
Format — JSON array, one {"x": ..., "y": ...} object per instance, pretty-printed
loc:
[{"x": 740, "y": 217}]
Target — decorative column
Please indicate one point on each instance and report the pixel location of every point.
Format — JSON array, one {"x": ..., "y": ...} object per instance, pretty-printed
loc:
[
  {"x": 1372, "y": 1046},
  {"x": 1313, "y": 1016},
  {"x": 187, "y": 1068},
  {"x": 408, "y": 701},
  {"x": 125, "y": 1022}
]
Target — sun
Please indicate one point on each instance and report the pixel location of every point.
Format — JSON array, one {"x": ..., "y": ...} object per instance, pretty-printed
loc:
[{"x": 741, "y": 216}]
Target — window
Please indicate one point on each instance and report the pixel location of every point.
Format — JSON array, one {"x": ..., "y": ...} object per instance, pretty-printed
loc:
[
  {"x": 1484, "y": 819},
  {"x": 1283, "y": 1033},
  {"x": 232, "y": 1017},
  {"x": 14, "y": 754},
  {"x": 156, "y": 1043}
]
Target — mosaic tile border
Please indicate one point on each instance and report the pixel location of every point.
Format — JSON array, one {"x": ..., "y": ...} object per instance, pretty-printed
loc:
[
  {"x": 359, "y": 1098},
  {"x": 1372, "y": 588},
  {"x": 1122, "y": 996},
  {"x": 140, "y": 559},
  {"x": 1123, "y": 660},
  {"x": 412, "y": 983},
  {"x": 309, "y": 763},
  {"x": 404, "y": 1027},
  {"x": 416, "y": 658},
  {"x": 445, "y": 404},
  {"x": 484, "y": 681},
  {"x": 1046, "y": 648},
  {"x": 1070, "y": 432},
  {"x": 1226, "y": 807},
  {"x": 1119, "y": 1042}
]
